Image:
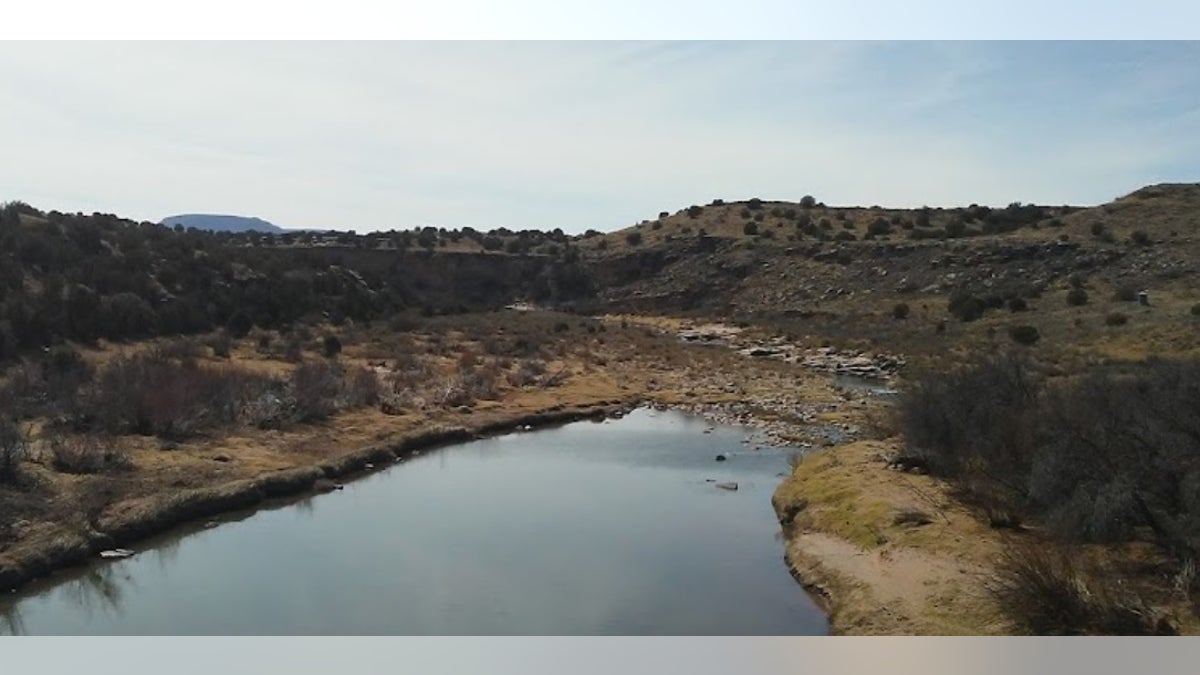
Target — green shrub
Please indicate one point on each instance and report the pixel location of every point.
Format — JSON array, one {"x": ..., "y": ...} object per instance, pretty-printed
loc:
[
  {"x": 966, "y": 306},
  {"x": 879, "y": 227},
  {"x": 1024, "y": 334},
  {"x": 331, "y": 346}
]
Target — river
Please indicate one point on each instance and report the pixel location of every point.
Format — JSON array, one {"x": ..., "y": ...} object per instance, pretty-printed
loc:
[{"x": 591, "y": 528}]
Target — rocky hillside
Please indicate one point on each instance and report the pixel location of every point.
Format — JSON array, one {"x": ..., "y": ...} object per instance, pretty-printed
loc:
[{"x": 906, "y": 276}]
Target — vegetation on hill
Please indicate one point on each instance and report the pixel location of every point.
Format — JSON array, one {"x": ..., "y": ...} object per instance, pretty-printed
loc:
[{"x": 82, "y": 278}]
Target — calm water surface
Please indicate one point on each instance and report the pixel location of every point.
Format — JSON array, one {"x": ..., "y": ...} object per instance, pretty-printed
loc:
[{"x": 589, "y": 528}]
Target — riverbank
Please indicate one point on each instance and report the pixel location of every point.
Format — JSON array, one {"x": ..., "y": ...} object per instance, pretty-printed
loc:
[{"x": 889, "y": 552}]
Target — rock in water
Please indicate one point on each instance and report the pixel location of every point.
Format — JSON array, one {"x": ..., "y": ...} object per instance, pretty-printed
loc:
[
  {"x": 721, "y": 457},
  {"x": 727, "y": 486},
  {"x": 116, "y": 553}
]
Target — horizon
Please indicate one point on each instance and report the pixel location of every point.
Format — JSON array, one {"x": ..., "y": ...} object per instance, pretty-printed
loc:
[{"x": 578, "y": 136}]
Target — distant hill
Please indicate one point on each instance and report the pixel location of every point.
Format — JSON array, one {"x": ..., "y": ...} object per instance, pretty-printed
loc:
[{"x": 221, "y": 223}]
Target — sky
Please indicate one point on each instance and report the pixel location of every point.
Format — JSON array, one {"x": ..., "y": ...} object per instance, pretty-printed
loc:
[{"x": 579, "y": 135}]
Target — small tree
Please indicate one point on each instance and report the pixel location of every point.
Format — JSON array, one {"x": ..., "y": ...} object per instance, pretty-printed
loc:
[{"x": 808, "y": 201}]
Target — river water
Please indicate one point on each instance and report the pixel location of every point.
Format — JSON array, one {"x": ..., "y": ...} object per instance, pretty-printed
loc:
[{"x": 590, "y": 528}]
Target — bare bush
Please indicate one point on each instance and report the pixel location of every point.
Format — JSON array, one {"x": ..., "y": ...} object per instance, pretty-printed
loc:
[
  {"x": 528, "y": 372},
  {"x": 1101, "y": 457},
  {"x": 361, "y": 388},
  {"x": 315, "y": 387},
  {"x": 87, "y": 454},
  {"x": 14, "y": 447},
  {"x": 1047, "y": 590},
  {"x": 150, "y": 395}
]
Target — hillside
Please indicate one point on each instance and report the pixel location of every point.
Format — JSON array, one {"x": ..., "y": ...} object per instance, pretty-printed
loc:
[
  {"x": 220, "y": 223},
  {"x": 963, "y": 275}
]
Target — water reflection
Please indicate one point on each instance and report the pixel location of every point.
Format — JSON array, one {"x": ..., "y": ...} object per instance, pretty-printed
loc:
[
  {"x": 10, "y": 620},
  {"x": 99, "y": 588}
]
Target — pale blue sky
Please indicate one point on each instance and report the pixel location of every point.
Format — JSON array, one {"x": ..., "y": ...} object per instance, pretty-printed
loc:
[{"x": 585, "y": 135}]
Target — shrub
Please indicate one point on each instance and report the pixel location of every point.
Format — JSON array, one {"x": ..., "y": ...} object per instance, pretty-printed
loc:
[
  {"x": 87, "y": 454},
  {"x": 656, "y": 225},
  {"x": 361, "y": 388},
  {"x": 633, "y": 238},
  {"x": 1017, "y": 304},
  {"x": 694, "y": 211},
  {"x": 528, "y": 372},
  {"x": 1024, "y": 334},
  {"x": 1097, "y": 228},
  {"x": 14, "y": 446},
  {"x": 1046, "y": 590},
  {"x": 1196, "y": 309},
  {"x": 965, "y": 306},
  {"x": 331, "y": 346},
  {"x": 750, "y": 228},
  {"x": 1077, "y": 297},
  {"x": 1140, "y": 238},
  {"x": 974, "y": 426},
  {"x": 315, "y": 387},
  {"x": 844, "y": 236},
  {"x": 663, "y": 214},
  {"x": 1103, "y": 457},
  {"x": 900, "y": 311},
  {"x": 1116, "y": 319},
  {"x": 879, "y": 227},
  {"x": 808, "y": 201},
  {"x": 150, "y": 395},
  {"x": 221, "y": 345},
  {"x": 239, "y": 325}
]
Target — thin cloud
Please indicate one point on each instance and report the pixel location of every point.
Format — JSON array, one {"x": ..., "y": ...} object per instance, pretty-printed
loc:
[{"x": 583, "y": 135}]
